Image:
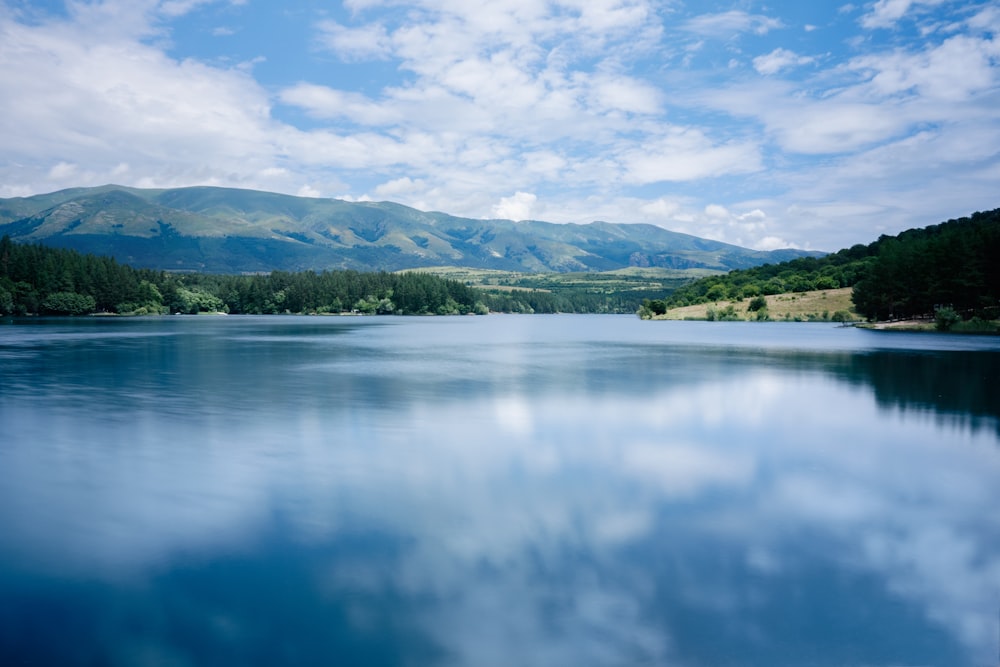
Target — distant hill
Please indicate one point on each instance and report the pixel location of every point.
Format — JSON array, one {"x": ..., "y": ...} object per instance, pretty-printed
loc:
[{"x": 223, "y": 230}]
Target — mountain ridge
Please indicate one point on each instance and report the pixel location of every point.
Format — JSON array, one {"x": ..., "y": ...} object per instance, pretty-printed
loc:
[{"x": 227, "y": 230}]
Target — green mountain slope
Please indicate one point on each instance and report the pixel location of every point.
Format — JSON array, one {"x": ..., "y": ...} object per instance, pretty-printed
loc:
[{"x": 233, "y": 231}]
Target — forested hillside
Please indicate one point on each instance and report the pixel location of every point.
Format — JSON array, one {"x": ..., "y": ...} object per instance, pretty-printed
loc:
[
  {"x": 954, "y": 265},
  {"x": 839, "y": 269}
]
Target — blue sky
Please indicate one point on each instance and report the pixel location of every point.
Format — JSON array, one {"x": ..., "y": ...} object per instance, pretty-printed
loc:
[{"x": 766, "y": 124}]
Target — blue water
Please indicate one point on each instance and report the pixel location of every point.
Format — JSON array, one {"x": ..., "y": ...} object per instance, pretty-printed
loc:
[{"x": 501, "y": 490}]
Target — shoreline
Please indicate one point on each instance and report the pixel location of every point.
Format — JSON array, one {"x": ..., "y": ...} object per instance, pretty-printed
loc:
[{"x": 899, "y": 325}]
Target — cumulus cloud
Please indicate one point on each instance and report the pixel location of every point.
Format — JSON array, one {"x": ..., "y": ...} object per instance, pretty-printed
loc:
[
  {"x": 101, "y": 99},
  {"x": 778, "y": 60},
  {"x": 400, "y": 187},
  {"x": 750, "y": 228},
  {"x": 957, "y": 68},
  {"x": 716, "y": 211},
  {"x": 660, "y": 208},
  {"x": 516, "y": 207},
  {"x": 355, "y": 44}
]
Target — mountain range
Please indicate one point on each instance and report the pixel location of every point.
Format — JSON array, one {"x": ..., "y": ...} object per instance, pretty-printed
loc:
[{"x": 225, "y": 230}]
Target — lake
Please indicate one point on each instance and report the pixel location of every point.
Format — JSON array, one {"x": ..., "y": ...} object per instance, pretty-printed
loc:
[{"x": 501, "y": 490}]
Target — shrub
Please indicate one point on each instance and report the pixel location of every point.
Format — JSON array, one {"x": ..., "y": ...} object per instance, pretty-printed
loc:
[
  {"x": 757, "y": 303},
  {"x": 727, "y": 314},
  {"x": 717, "y": 292},
  {"x": 976, "y": 325},
  {"x": 652, "y": 307},
  {"x": 945, "y": 318},
  {"x": 69, "y": 303},
  {"x": 6, "y": 302},
  {"x": 656, "y": 306}
]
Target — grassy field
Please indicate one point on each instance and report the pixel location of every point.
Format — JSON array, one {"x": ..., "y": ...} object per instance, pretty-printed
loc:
[
  {"x": 650, "y": 282},
  {"x": 793, "y": 306}
]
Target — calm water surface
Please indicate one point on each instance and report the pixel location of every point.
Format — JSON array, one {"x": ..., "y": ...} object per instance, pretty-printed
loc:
[{"x": 502, "y": 490}]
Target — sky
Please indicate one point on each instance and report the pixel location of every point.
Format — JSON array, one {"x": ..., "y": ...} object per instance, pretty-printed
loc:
[{"x": 815, "y": 125}]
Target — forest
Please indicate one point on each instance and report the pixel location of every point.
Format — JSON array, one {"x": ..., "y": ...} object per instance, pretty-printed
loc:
[
  {"x": 36, "y": 279},
  {"x": 954, "y": 265}
]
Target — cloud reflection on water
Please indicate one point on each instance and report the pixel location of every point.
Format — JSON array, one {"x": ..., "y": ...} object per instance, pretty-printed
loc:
[{"x": 605, "y": 506}]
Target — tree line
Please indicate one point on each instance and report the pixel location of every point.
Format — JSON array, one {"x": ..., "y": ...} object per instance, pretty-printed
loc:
[
  {"x": 953, "y": 265},
  {"x": 36, "y": 279}
]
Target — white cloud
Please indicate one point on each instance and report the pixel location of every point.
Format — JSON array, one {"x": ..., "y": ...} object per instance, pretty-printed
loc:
[
  {"x": 778, "y": 60},
  {"x": 716, "y": 211},
  {"x": 63, "y": 171},
  {"x": 886, "y": 13},
  {"x": 400, "y": 187},
  {"x": 308, "y": 191},
  {"x": 751, "y": 228},
  {"x": 839, "y": 123},
  {"x": 324, "y": 102},
  {"x": 352, "y": 44},
  {"x": 683, "y": 154},
  {"x": 519, "y": 206},
  {"x": 732, "y": 22},
  {"x": 660, "y": 208},
  {"x": 623, "y": 93},
  {"x": 772, "y": 243},
  {"x": 987, "y": 19},
  {"x": 834, "y": 128},
  {"x": 959, "y": 67},
  {"x": 179, "y": 7},
  {"x": 100, "y": 98}
]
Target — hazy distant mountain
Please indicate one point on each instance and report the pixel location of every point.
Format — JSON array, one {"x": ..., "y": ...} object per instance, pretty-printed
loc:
[{"x": 233, "y": 231}]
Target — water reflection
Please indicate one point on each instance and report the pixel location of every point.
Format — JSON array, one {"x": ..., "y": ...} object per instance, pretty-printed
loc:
[
  {"x": 964, "y": 387},
  {"x": 587, "y": 491}
]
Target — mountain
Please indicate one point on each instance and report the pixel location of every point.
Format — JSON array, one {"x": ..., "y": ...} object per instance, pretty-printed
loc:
[{"x": 224, "y": 230}]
